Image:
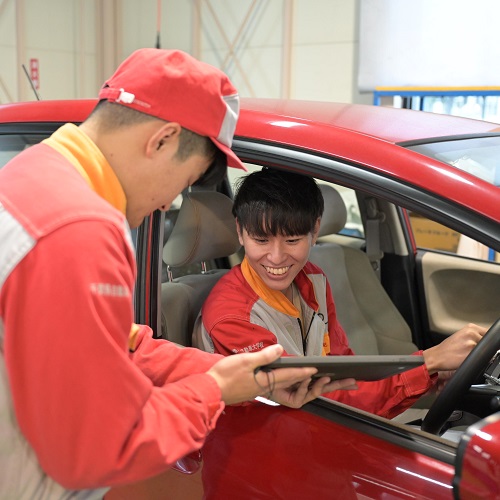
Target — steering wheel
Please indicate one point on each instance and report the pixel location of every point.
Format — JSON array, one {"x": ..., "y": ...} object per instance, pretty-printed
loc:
[{"x": 463, "y": 378}]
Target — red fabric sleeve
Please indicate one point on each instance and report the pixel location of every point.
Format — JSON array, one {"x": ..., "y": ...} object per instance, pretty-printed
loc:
[
  {"x": 91, "y": 415},
  {"x": 150, "y": 355},
  {"x": 235, "y": 335}
]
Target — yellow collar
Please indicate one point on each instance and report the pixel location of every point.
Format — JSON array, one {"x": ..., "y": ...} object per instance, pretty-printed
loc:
[
  {"x": 85, "y": 156},
  {"x": 274, "y": 298}
]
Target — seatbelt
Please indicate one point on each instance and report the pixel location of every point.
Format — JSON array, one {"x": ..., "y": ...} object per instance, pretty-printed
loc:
[{"x": 373, "y": 219}]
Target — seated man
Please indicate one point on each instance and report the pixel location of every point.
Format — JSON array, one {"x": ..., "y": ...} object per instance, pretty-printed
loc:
[{"x": 277, "y": 296}]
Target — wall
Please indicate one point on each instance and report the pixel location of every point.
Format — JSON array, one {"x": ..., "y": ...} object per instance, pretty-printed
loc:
[
  {"x": 437, "y": 43},
  {"x": 300, "y": 49},
  {"x": 60, "y": 34}
]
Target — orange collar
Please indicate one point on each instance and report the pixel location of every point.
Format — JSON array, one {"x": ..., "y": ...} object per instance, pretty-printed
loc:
[
  {"x": 274, "y": 298},
  {"x": 85, "y": 156}
]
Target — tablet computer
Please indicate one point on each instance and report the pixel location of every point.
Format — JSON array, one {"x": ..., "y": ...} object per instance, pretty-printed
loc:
[{"x": 360, "y": 367}]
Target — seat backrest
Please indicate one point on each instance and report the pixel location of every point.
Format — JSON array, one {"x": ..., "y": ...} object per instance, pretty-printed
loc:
[
  {"x": 371, "y": 321},
  {"x": 205, "y": 230}
]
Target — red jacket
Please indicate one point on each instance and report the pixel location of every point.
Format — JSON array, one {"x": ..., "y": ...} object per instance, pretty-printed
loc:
[
  {"x": 241, "y": 314},
  {"x": 86, "y": 412}
]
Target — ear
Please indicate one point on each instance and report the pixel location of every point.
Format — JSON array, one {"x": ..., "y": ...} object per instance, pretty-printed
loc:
[
  {"x": 239, "y": 231},
  {"x": 166, "y": 136},
  {"x": 315, "y": 231}
]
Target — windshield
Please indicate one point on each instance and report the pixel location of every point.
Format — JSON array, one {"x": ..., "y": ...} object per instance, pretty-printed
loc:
[{"x": 477, "y": 156}]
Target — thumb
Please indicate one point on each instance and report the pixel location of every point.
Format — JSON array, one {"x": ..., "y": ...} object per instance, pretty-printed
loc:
[{"x": 268, "y": 354}]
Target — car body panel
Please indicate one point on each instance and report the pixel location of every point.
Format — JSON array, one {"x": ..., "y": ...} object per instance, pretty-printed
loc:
[
  {"x": 478, "y": 465},
  {"x": 353, "y": 465}
]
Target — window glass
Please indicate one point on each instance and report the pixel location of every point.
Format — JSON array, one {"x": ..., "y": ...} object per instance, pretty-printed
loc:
[
  {"x": 478, "y": 157},
  {"x": 434, "y": 236}
]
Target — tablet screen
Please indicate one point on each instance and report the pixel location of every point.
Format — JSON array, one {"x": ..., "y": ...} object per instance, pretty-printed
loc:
[{"x": 360, "y": 367}]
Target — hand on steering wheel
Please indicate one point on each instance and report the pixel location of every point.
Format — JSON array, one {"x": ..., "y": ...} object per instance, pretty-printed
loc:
[{"x": 460, "y": 382}]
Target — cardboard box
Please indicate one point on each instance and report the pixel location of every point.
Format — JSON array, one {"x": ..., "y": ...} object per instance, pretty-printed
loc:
[{"x": 430, "y": 234}]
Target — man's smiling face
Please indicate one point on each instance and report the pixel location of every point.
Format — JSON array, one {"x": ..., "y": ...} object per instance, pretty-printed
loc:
[{"x": 276, "y": 259}]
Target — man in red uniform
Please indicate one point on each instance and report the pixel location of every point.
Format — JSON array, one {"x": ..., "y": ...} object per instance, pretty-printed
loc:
[
  {"x": 276, "y": 296},
  {"x": 87, "y": 398}
]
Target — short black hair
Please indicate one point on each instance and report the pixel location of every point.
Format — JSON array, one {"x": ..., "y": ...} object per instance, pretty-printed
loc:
[
  {"x": 216, "y": 172},
  {"x": 272, "y": 202}
]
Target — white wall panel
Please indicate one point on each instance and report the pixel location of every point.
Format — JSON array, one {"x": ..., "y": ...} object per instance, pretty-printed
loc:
[
  {"x": 324, "y": 52},
  {"x": 8, "y": 74},
  {"x": 324, "y": 21},
  {"x": 429, "y": 43},
  {"x": 76, "y": 42},
  {"x": 7, "y": 24},
  {"x": 323, "y": 74}
]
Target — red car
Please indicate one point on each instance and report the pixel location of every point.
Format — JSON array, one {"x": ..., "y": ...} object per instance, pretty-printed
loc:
[{"x": 414, "y": 260}]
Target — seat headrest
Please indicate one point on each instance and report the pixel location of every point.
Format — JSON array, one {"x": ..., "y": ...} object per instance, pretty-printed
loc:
[
  {"x": 335, "y": 214},
  {"x": 205, "y": 229}
]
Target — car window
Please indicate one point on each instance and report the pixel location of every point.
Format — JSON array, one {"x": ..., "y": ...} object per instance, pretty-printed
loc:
[
  {"x": 478, "y": 157},
  {"x": 431, "y": 235}
]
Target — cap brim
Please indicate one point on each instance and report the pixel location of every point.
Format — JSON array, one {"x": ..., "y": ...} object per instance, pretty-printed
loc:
[{"x": 232, "y": 159}]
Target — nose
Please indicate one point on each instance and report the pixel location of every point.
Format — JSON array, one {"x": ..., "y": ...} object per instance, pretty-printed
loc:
[{"x": 276, "y": 252}]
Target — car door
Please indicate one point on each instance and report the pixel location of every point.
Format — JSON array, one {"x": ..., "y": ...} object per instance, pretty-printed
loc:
[
  {"x": 456, "y": 286},
  {"x": 326, "y": 449}
]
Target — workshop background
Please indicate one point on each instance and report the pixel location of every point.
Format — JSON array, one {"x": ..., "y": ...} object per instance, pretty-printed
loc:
[{"x": 333, "y": 50}]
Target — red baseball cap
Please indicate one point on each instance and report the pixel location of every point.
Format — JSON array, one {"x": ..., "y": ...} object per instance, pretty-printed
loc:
[{"x": 176, "y": 87}]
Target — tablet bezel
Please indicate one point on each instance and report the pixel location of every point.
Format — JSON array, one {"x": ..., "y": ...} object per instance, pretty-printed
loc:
[{"x": 359, "y": 367}]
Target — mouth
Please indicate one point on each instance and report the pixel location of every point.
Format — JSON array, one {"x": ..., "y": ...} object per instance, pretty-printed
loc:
[{"x": 277, "y": 271}]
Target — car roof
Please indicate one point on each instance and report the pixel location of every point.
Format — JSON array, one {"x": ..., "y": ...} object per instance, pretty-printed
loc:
[{"x": 385, "y": 123}]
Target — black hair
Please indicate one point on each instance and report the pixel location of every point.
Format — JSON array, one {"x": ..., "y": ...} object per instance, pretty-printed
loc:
[
  {"x": 272, "y": 202},
  {"x": 216, "y": 172}
]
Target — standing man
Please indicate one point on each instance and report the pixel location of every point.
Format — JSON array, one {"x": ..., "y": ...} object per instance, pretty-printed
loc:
[{"x": 88, "y": 399}]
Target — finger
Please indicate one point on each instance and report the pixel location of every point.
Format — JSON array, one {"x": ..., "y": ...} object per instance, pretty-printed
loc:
[
  {"x": 317, "y": 388},
  {"x": 267, "y": 355},
  {"x": 286, "y": 377},
  {"x": 347, "y": 384},
  {"x": 302, "y": 394}
]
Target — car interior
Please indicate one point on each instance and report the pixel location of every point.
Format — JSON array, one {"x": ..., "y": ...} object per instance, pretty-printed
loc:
[{"x": 358, "y": 236}]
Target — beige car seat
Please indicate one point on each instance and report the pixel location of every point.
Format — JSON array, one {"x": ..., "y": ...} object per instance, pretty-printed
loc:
[
  {"x": 371, "y": 321},
  {"x": 205, "y": 230}
]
